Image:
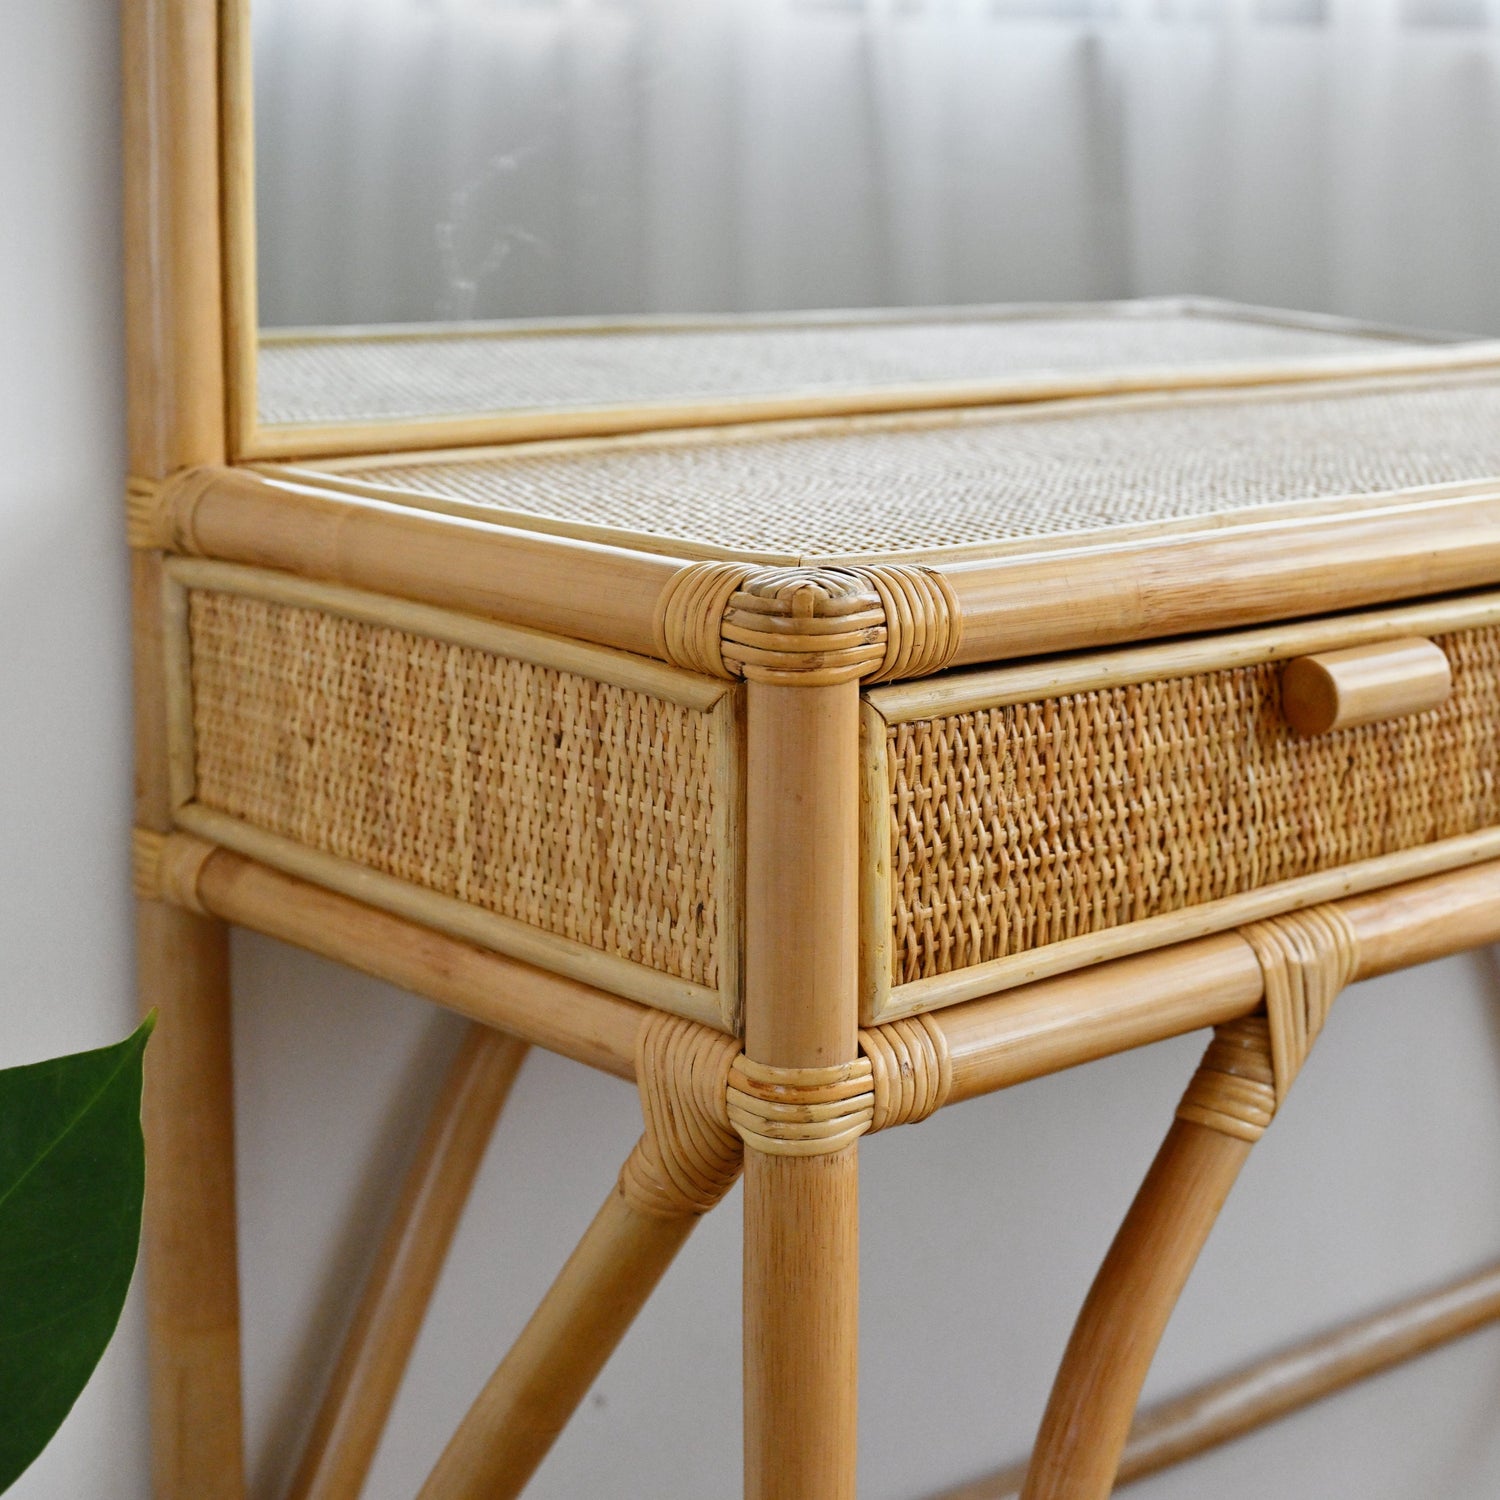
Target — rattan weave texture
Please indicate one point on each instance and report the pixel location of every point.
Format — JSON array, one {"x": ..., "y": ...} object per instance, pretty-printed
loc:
[
  {"x": 891, "y": 485},
  {"x": 577, "y": 807},
  {"x": 1019, "y": 826},
  {"x": 323, "y": 379}
]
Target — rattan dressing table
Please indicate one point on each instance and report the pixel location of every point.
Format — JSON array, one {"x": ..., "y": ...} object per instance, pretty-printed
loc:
[{"x": 818, "y": 723}]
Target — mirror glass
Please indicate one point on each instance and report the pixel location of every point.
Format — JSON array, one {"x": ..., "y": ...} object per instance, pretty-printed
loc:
[{"x": 424, "y": 162}]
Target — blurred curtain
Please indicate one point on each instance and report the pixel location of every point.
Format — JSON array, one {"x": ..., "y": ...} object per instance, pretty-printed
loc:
[{"x": 423, "y": 159}]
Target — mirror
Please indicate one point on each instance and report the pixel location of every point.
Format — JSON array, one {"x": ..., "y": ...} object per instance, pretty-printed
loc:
[{"x": 423, "y": 166}]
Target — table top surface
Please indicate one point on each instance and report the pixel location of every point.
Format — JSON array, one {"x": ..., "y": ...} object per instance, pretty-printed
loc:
[
  {"x": 945, "y": 486},
  {"x": 431, "y": 375}
]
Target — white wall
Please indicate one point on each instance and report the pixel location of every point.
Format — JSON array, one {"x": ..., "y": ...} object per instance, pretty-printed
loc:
[
  {"x": 982, "y": 1227},
  {"x": 64, "y": 731}
]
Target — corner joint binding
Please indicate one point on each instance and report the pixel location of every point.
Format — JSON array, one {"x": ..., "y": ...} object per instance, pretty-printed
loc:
[{"x": 810, "y": 626}]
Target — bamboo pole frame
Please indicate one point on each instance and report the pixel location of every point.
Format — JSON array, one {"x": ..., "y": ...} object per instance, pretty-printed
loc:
[
  {"x": 527, "y": 1401},
  {"x": 562, "y": 1015},
  {"x": 174, "y": 351},
  {"x": 992, "y": 1044},
  {"x": 192, "y": 344},
  {"x": 1088, "y": 1418}
]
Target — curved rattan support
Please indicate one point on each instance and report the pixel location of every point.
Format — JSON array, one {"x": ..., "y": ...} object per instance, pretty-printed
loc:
[
  {"x": 1306, "y": 958},
  {"x": 686, "y": 1160},
  {"x": 811, "y": 626}
]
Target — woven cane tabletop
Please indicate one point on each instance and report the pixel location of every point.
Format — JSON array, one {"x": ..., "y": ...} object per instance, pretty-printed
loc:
[
  {"x": 321, "y": 376},
  {"x": 957, "y": 483}
]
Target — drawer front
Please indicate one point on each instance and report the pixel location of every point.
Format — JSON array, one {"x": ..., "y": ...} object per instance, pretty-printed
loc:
[
  {"x": 576, "y": 821},
  {"x": 1026, "y": 837}
]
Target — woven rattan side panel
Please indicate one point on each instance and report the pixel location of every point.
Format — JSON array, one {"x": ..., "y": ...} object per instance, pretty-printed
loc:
[
  {"x": 574, "y": 807},
  {"x": 1016, "y": 827}
]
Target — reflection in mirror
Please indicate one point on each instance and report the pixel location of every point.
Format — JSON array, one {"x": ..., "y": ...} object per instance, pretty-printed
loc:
[{"x": 427, "y": 160}]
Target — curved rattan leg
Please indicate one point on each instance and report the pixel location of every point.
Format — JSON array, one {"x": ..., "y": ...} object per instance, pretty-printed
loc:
[
  {"x": 1115, "y": 1338},
  {"x": 684, "y": 1163},
  {"x": 1306, "y": 958}
]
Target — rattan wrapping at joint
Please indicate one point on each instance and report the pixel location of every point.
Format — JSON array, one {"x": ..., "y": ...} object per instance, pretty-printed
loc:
[
  {"x": 800, "y": 1111},
  {"x": 1306, "y": 959},
  {"x": 811, "y": 625},
  {"x": 911, "y": 1071},
  {"x": 1233, "y": 1090},
  {"x": 688, "y": 1156}
]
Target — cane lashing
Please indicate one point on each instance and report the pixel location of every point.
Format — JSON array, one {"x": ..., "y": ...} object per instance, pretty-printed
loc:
[
  {"x": 147, "y": 524},
  {"x": 911, "y": 1072},
  {"x": 1306, "y": 959},
  {"x": 1234, "y": 1090},
  {"x": 812, "y": 626},
  {"x": 688, "y": 1156},
  {"x": 690, "y": 615},
  {"x": 801, "y": 1111},
  {"x": 922, "y": 625},
  {"x": 145, "y": 862},
  {"x": 165, "y": 867}
]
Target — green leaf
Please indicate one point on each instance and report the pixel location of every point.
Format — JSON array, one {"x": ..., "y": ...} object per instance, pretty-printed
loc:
[{"x": 72, "y": 1176}]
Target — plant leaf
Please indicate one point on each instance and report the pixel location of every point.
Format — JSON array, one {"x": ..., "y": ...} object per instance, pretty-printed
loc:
[{"x": 72, "y": 1176}]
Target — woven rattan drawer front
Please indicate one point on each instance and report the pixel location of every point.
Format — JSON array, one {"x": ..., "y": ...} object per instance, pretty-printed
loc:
[
  {"x": 1141, "y": 804},
  {"x": 571, "y": 806}
]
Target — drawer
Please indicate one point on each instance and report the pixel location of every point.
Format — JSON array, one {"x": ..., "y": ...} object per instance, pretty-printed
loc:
[
  {"x": 1026, "y": 821},
  {"x": 570, "y": 806}
]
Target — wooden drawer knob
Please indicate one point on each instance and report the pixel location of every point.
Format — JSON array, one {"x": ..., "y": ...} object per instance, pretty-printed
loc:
[{"x": 1338, "y": 689}]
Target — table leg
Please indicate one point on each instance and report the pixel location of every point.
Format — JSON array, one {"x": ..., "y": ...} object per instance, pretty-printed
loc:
[
  {"x": 801, "y": 1007},
  {"x": 686, "y": 1160},
  {"x": 192, "y": 1272}
]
